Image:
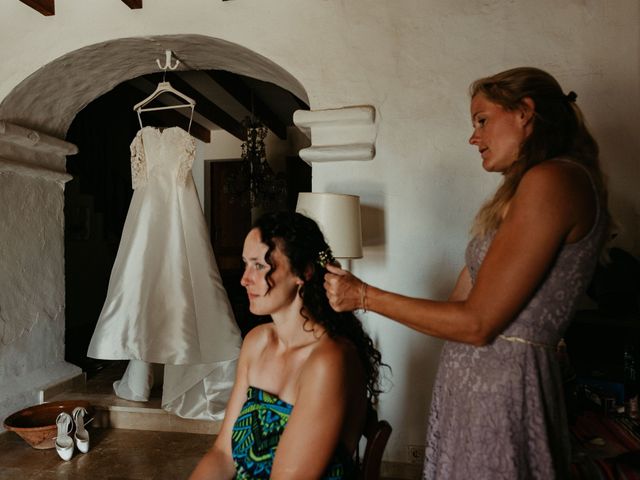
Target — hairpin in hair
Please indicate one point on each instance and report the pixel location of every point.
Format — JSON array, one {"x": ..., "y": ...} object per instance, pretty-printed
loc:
[
  {"x": 325, "y": 257},
  {"x": 571, "y": 96}
]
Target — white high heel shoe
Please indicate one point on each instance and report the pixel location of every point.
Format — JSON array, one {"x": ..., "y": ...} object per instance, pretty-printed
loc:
[
  {"x": 64, "y": 443},
  {"x": 81, "y": 435}
]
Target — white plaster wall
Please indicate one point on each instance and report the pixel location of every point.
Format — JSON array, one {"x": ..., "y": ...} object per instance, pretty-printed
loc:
[{"x": 413, "y": 61}]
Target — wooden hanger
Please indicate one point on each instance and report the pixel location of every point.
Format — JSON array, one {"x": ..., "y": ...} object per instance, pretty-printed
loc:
[{"x": 165, "y": 87}]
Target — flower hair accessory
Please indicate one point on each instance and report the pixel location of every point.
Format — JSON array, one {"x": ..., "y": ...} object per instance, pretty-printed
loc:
[{"x": 325, "y": 257}]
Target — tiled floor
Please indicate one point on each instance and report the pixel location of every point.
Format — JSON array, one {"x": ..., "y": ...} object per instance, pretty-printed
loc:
[{"x": 116, "y": 454}]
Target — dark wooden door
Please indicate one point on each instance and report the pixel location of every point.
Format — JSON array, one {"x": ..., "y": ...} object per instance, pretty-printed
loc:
[
  {"x": 230, "y": 216},
  {"x": 230, "y": 220}
]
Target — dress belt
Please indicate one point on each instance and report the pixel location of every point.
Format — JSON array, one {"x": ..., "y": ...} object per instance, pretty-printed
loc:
[{"x": 526, "y": 342}]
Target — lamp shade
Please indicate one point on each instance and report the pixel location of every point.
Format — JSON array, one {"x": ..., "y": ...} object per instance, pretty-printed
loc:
[{"x": 338, "y": 216}]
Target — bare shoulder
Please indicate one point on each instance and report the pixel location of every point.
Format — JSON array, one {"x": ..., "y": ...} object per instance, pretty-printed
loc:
[
  {"x": 257, "y": 339},
  {"x": 563, "y": 177},
  {"x": 332, "y": 358},
  {"x": 561, "y": 193},
  {"x": 557, "y": 185},
  {"x": 334, "y": 376}
]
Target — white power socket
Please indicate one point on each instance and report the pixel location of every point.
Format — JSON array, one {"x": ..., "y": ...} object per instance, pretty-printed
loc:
[{"x": 416, "y": 454}]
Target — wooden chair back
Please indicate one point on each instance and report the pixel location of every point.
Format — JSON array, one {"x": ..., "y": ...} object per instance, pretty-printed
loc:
[{"x": 377, "y": 433}]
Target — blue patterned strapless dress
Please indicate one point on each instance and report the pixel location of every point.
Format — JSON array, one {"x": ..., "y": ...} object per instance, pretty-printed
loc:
[{"x": 256, "y": 435}]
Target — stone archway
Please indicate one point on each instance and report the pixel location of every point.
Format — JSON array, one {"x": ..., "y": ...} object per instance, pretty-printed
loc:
[
  {"x": 49, "y": 99},
  {"x": 34, "y": 118}
]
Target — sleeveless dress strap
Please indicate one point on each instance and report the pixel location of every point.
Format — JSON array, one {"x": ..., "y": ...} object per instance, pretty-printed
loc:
[{"x": 596, "y": 192}]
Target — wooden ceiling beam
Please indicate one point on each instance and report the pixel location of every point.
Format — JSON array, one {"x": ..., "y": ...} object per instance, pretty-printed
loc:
[
  {"x": 243, "y": 94},
  {"x": 205, "y": 107},
  {"x": 133, "y": 4},
  {"x": 45, "y": 7}
]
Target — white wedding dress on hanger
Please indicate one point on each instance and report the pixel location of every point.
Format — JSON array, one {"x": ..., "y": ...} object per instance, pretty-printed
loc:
[{"x": 166, "y": 303}]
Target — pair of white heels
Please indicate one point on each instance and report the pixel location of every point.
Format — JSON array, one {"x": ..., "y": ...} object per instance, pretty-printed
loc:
[{"x": 64, "y": 442}]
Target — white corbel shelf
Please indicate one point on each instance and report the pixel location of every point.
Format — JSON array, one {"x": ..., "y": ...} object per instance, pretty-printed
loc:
[{"x": 341, "y": 134}]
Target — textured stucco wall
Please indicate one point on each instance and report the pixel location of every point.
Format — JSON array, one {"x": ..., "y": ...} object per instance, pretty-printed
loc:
[
  {"x": 31, "y": 289},
  {"x": 412, "y": 60}
]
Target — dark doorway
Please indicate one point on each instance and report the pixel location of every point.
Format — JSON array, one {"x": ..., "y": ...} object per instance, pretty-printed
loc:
[{"x": 96, "y": 204}]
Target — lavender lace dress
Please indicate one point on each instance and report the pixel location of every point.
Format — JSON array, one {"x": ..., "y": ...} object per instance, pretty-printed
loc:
[{"x": 498, "y": 411}]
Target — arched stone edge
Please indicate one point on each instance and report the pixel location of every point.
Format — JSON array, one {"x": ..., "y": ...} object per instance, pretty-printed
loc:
[
  {"x": 340, "y": 134},
  {"x": 49, "y": 98}
]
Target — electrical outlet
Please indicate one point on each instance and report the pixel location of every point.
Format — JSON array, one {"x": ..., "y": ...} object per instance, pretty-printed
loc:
[{"x": 416, "y": 454}]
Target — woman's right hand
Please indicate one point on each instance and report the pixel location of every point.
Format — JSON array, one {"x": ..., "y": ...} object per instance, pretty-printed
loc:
[{"x": 344, "y": 290}]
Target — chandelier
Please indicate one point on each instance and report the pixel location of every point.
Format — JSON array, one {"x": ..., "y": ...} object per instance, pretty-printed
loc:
[{"x": 255, "y": 182}]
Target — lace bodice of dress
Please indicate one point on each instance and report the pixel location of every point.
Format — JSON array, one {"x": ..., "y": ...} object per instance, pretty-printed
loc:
[{"x": 156, "y": 152}]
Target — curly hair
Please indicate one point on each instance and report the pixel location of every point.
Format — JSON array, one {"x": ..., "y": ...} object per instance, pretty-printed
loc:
[{"x": 299, "y": 238}]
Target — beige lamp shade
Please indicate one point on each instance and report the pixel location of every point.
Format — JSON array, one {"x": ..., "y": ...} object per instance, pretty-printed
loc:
[{"x": 338, "y": 216}]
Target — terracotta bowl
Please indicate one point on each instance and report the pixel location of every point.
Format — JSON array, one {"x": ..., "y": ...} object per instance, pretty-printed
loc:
[{"x": 37, "y": 424}]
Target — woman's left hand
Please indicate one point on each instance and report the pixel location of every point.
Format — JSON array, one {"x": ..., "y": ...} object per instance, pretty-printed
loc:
[{"x": 344, "y": 290}]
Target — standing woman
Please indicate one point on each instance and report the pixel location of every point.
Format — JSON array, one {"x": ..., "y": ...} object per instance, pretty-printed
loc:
[
  {"x": 304, "y": 381},
  {"x": 497, "y": 410}
]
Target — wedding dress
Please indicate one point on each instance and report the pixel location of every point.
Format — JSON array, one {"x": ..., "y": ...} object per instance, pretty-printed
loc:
[{"x": 165, "y": 302}]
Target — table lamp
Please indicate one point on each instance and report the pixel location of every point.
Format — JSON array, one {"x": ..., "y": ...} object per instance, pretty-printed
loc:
[{"x": 338, "y": 216}]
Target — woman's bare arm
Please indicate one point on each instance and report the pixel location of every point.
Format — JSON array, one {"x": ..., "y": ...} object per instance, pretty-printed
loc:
[
  {"x": 549, "y": 208},
  {"x": 316, "y": 423}
]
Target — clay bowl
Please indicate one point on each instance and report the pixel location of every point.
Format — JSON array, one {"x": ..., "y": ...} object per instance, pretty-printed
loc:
[{"x": 37, "y": 424}]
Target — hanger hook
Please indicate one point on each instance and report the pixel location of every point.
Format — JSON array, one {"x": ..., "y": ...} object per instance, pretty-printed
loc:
[{"x": 167, "y": 62}]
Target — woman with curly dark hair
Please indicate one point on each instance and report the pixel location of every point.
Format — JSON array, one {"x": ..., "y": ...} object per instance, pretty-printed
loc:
[{"x": 310, "y": 357}]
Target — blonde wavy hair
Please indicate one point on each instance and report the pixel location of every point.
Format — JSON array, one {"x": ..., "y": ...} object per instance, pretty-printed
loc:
[{"x": 559, "y": 131}]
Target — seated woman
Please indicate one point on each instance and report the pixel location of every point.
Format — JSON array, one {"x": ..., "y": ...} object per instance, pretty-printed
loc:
[{"x": 304, "y": 381}]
